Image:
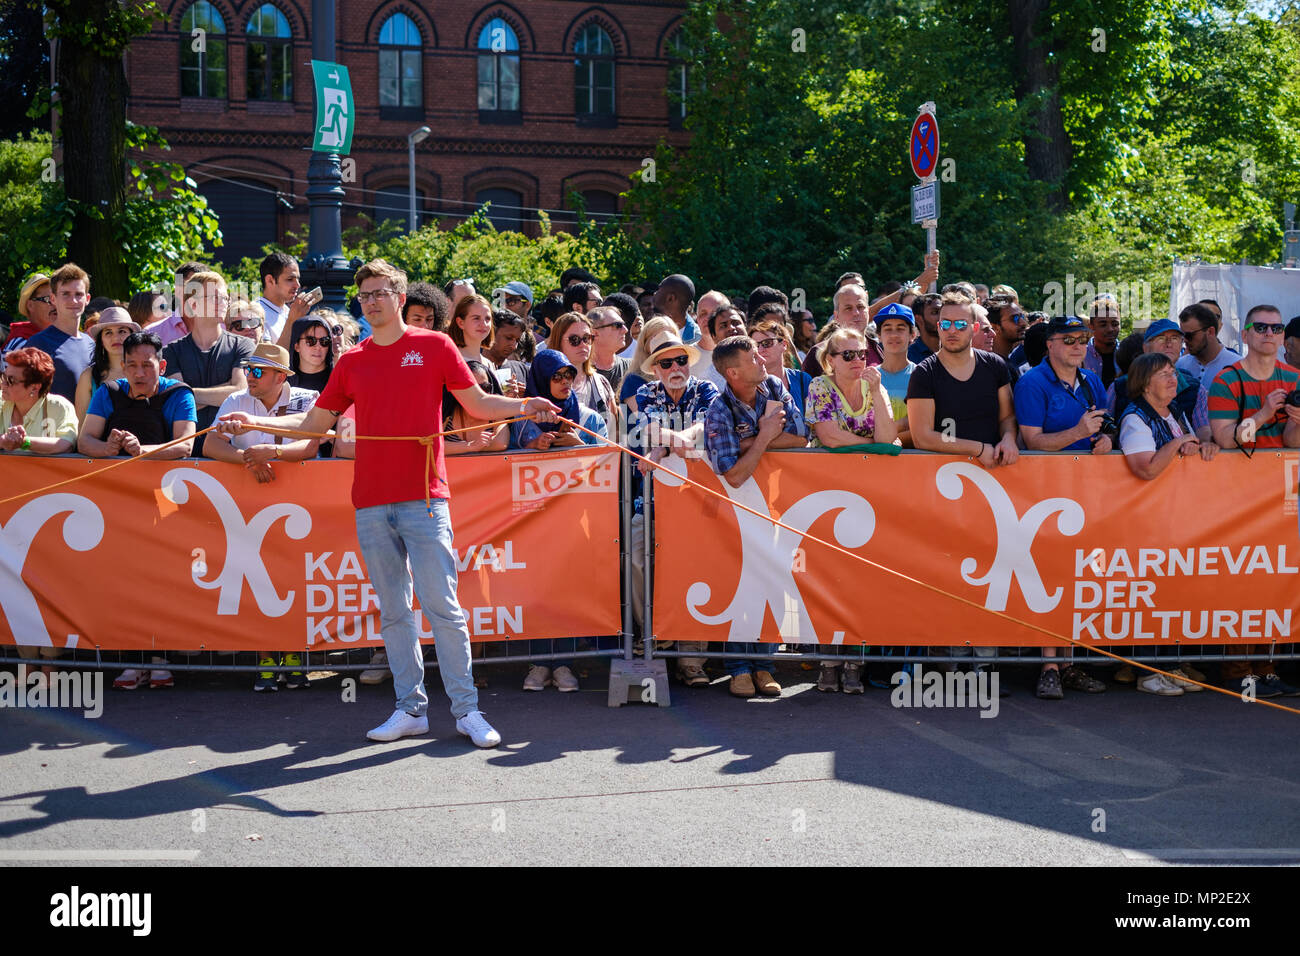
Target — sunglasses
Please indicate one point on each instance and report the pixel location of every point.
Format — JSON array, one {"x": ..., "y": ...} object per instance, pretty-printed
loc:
[
  {"x": 961, "y": 325},
  {"x": 234, "y": 325},
  {"x": 852, "y": 355},
  {"x": 1074, "y": 340},
  {"x": 257, "y": 371},
  {"x": 679, "y": 360},
  {"x": 42, "y": 298},
  {"x": 564, "y": 375},
  {"x": 1264, "y": 328},
  {"x": 311, "y": 340},
  {"x": 10, "y": 380},
  {"x": 766, "y": 344},
  {"x": 621, "y": 326},
  {"x": 576, "y": 340}
]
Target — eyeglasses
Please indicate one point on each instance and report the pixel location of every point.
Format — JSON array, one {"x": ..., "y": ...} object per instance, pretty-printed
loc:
[
  {"x": 321, "y": 340},
  {"x": 961, "y": 325},
  {"x": 565, "y": 375},
  {"x": 364, "y": 297},
  {"x": 621, "y": 326},
  {"x": 42, "y": 298},
  {"x": 576, "y": 340},
  {"x": 766, "y": 344},
  {"x": 852, "y": 355},
  {"x": 679, "y": 360},
  {"x": 10, "y": 380},
  {"x": 1264, "y": 328},
  {"x": 1074, "y": 340}
]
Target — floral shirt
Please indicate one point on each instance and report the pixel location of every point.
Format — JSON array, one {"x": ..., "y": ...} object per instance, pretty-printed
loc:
[{"x": 826, "y": 403}]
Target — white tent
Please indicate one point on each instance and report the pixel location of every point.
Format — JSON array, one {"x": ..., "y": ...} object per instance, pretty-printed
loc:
[{"x": 1237, "y": 288}]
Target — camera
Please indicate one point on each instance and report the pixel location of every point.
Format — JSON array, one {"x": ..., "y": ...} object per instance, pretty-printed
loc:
[
  {"x": 1109, "y": 427},
  {"x": 336, "y": 331},
  {"x": 1293, "y": 398}
]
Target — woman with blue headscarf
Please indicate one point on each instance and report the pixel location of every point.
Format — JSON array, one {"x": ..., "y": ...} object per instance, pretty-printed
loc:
[{"x": 551, "y": 376}]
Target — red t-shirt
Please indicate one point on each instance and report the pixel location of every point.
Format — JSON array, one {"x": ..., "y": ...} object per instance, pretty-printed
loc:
[{"x": 398, "y": 391}]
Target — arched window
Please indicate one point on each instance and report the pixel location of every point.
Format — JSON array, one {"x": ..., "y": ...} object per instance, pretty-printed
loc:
[
  {"x": 593, "y": 83},
  {"x": 506, "y": 210},
  {"x": 270, "y": 55},
  {"x": 498, "y": 68},
  {"x": 203, "y": 52},
  {"x": 678, "y": 80},
  {"x": 400, "y": 43}
]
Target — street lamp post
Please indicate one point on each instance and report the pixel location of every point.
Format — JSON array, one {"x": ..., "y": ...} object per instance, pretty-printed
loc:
[
  {"x": 324, "y": 264},
  {"x": 413, "y": 138}
]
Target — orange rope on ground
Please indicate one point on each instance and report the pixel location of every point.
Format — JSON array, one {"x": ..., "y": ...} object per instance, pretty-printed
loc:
[{"x": 429, "y": 442}]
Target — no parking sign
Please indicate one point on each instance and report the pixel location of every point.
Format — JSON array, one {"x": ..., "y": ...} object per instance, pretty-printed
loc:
[{"x": 923, "y": 148}]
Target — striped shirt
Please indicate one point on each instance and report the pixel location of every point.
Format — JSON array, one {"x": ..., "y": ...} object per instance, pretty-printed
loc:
[{"x": 1235, "y": 395}]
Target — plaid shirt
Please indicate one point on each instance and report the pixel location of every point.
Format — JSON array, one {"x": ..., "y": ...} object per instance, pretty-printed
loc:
[{"x": 730, "y": 420}]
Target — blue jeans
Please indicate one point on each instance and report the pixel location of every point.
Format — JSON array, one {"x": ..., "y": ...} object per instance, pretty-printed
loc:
[
  {"x": 736, "y": 666},
  {"x": 389, "y": 535}
]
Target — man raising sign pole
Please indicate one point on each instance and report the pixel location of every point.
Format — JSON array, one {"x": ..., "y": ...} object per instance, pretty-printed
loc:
[{"x": 395, "y": 378}]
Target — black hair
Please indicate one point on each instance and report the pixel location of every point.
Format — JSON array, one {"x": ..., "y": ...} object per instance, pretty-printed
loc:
[
  {"x": 766, "y": 309},
  {"x": 1292, "y": 328},
  {"x": 1202, "y": 313},
  {"x": 1129, "y": 348},
  {"x": 762, "y": 295},
  {"x": 893, "y": 285},
  {"x": 625, "y": 302},
  {"x": 137, "y": 339},
  {"x": 300, "y": 327},
  {"x": 577, "y": 274},
  {"x": 681, "y": 285},
  {"x": 428, "y": 296},
  {"x": 578, "y": 294},
  {"x": 273, "y": 265},
  {"x": 1035, "y": 344}
]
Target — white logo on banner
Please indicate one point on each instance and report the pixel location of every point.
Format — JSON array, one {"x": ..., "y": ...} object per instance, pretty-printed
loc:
[
  {"x": 1014, "y": 556},
  {"x": 243, "y": 542},
  {"x": 767, "y": 557},
  {"x": 83, "y": 529}
]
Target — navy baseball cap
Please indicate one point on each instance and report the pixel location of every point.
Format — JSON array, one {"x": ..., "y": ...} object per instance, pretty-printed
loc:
[
  {"x": 1065, "y": 324},
  {"x": 896, "y": 311}
]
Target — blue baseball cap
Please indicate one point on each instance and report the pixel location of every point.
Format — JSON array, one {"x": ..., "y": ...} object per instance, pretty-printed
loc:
[
  {"x": 1160, "y": 327},
  {"x": 896, "y": 311}
]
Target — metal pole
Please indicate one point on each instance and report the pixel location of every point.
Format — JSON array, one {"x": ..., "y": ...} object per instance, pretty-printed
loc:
[
  {"x": 625, "y": 512},
  {"x": 410, "y": 149},
  {"x": 647, "y": 509},
  {"x": 324, "y": 264}
]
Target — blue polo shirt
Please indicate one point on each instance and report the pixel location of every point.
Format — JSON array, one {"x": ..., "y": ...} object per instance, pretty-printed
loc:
[{"x": 1044, "y": 401}]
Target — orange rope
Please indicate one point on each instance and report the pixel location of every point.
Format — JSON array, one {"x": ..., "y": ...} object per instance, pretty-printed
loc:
[
  {"x": 429, "y": 442},
  {"x": 929, "y": 587}
]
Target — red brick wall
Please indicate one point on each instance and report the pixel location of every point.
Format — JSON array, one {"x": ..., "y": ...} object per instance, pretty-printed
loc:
[{"x": 546, "y": 155}]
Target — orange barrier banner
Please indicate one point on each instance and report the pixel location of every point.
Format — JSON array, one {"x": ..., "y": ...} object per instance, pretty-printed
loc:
[
  {"x": 1206, "y": 553},
  {"x": 196, "y": 554}
]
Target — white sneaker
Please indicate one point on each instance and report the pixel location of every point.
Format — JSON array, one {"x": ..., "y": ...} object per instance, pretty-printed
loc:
[
  {"x": 538, "y": 677},
  {"x": 1160, "y": 685},
  {"x": 401, "y": 724},
  {"x": 379, "y": 672},
  {"x": 566, "y": 682},
  {"x": 473, "y": 726},
  {"x": 1182, "y": 679}
]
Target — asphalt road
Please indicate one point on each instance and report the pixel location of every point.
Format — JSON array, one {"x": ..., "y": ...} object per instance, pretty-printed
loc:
[{"x": 210, "y": 773}]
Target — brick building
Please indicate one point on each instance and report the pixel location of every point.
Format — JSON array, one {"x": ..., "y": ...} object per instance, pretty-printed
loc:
[{"x": 527, "y": 104}]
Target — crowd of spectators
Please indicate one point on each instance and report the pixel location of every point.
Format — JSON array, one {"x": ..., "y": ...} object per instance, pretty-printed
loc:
[{"x": 667, "y": 369}]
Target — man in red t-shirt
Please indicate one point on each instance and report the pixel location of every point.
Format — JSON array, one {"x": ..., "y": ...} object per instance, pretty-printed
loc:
[{"x": 395, "y": 378}]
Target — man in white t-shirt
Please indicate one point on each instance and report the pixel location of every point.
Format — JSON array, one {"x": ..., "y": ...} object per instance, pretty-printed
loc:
[
  {"x": 280, "y": 299},
  {"x": 268, "y": 394}
]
